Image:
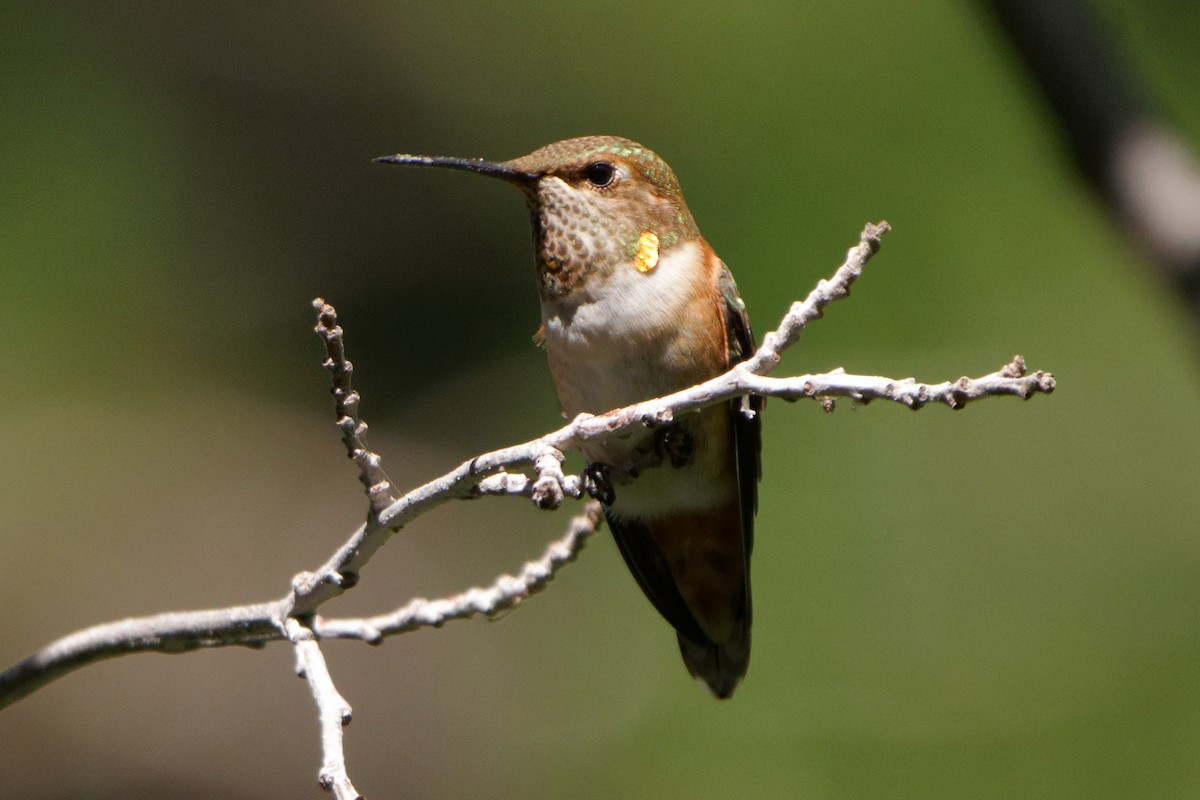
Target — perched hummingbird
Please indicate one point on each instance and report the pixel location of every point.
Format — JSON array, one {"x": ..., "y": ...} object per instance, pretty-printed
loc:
[{"x": 635, "y": 304}]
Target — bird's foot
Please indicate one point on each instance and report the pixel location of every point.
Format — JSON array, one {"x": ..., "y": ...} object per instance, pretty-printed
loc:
[{"x": 598, "y": 483}]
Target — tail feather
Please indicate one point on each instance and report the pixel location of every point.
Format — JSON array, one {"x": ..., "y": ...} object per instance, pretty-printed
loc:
[{"x": 720, "y": 666}]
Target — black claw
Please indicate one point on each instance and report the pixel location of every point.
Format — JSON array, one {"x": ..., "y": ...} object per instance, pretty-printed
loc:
[{"x": 597, "y": 484}]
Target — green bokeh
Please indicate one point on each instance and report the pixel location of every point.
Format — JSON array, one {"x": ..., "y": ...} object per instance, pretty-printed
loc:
[{"x": 996, "y": 603}]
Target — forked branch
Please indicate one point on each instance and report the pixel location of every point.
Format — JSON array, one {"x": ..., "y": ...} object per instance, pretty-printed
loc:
[{"x": 294, "y": 616}]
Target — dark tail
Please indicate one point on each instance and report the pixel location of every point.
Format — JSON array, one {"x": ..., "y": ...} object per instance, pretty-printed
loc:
[{"x": 720, "y": 666}]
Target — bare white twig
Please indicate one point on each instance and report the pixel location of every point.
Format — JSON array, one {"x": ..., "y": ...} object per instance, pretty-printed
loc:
[
  {"x": 489, "y": 473},
  {"x": 332, "y": 710},
  {"x": 505, "y": 593},
  {"x": 813, "y": 306},
  {"x": 293, "y": 617},
  {"x": 1009, "y": 379},
  {"x": 310, "y": 590},
  {"x": 744, "y": 378},
  {"x": 175, "y": 632}
]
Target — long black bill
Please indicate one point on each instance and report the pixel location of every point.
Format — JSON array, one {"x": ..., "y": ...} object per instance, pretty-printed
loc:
[{"x": 492, "y": 168}]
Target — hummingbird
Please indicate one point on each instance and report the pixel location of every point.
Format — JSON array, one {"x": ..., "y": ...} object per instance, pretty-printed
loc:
[{"x": 635, "y": 304}]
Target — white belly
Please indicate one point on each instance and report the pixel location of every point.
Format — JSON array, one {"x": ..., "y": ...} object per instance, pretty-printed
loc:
[
  {"x": 625, "y": 341},
  {"x": 619, "y": 343}
]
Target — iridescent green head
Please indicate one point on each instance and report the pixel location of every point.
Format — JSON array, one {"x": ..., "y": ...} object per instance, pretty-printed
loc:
[{"x": 598, "y": 203}]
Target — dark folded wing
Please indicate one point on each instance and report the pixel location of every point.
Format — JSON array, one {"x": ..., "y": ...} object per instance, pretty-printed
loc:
[
  {"x": 746, "y": 412},
  {"x": 649, "y": 566},
  {"x": 637, "y": 543}
]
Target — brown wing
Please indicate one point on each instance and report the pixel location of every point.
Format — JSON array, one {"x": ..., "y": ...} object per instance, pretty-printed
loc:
[
  {"x": 720, "y": 664},
  {"x": 649, "y": 567}
]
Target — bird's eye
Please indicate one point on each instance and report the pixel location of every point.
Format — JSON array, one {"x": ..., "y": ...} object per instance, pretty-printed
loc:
[{"x": 600, "y": 174}]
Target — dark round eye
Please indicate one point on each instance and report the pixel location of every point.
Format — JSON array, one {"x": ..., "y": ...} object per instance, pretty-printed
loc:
[{"x": 600, "y": 173}]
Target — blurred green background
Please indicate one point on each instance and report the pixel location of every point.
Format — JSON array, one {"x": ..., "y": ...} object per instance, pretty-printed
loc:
[{"x": 990, "y": 604}]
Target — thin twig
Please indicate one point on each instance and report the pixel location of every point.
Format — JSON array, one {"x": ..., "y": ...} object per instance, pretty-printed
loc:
[
  {"x": 489, "y": 474},
  {"x": 340, "y": 572},
  {"x": 379, "y": 487},
  {"x": 332, "y": 710},
  {"x": 813, "y": 306},
  {"x": 506, "y": 593},
  {"x": 176, "y": 632},
  {"x": 294, "y": 616},
  {"x": 255, "y": 625},
  {"x": 1010, "y": 379}
]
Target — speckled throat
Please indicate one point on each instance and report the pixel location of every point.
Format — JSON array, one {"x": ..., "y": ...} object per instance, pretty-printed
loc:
[
  {"x": 597, "y": 204},
  {"x": 583, "y": 232}
]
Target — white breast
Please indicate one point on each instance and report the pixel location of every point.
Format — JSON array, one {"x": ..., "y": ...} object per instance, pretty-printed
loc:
[
  {"x": 606, "y": 343},
  {"x": 616, "y": 344}
]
